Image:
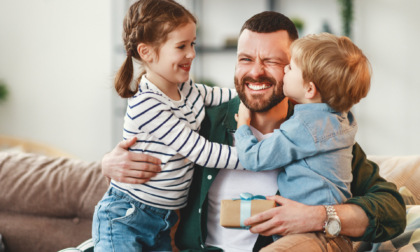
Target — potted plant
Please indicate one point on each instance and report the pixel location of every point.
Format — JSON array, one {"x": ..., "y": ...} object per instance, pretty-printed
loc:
[
  {"x": 347, "y": 16},
  {"x": 3, "y": 91},
  {"x": 299, "y": 23}
]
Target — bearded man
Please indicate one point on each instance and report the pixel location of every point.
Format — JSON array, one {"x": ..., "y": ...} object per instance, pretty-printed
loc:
[{"x": 375, "y": 213}]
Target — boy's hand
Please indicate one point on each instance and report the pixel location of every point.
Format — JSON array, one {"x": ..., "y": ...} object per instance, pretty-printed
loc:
[{"x": 243, "y": 117}]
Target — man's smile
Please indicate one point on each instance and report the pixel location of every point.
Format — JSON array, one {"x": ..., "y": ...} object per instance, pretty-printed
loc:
[{"x": 257, "y": 87}]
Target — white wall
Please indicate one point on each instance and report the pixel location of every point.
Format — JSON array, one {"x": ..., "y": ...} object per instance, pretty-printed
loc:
[
  {"x": 55, "y": 57},
  {"x": 388, "y": 32}
]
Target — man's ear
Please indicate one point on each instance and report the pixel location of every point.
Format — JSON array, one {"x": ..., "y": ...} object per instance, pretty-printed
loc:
[
  {"x": 311, "y": 91},
  {"x": 145, "y": 52}
]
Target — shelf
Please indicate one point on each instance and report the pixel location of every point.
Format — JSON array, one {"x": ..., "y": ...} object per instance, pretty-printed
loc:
[
  {"x": 207, "y": 49},
  {"x": 199, "y": 49}
]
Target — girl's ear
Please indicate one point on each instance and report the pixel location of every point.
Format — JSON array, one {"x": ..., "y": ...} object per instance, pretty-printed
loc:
[
  {"x": 145, "y": 52},
  {"x": 311, "y": 91}
]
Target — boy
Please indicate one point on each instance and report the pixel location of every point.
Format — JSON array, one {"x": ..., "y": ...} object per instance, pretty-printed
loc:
[{"x": 326, "y": 76}]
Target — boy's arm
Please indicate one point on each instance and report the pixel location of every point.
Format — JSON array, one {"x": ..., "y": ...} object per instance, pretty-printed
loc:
[
  {"x": 289, "y": 143},
  {"x": 243, "y": 117}
]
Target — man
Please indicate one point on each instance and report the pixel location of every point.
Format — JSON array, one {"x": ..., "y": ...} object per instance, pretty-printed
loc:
[{"x": 375, "y": 213}]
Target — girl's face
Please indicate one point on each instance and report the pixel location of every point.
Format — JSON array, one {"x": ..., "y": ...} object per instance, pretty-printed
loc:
[
  {"x": 293, "y": 83},
  {"x": 173, "y": 63}
]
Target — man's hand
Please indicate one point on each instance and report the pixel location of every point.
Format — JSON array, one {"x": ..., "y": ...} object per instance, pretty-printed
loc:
[
  {"x": 290, "y": 217},
  {"x": 129, "y": 167},
  {"x": 244, "y": 116}
]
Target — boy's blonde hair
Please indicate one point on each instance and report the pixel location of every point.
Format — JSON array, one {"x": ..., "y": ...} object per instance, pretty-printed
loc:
[{"x": 337, "y": 67}]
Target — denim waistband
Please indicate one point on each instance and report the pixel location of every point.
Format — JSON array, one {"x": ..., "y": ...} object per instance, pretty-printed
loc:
[{"x": 120, "y": 194}]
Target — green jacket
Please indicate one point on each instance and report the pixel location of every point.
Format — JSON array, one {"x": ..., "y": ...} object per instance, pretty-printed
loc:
[{"x": 383, "y": 205}]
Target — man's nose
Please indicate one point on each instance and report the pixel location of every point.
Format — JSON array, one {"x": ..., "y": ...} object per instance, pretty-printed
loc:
[{"x": 257, "y": 69}]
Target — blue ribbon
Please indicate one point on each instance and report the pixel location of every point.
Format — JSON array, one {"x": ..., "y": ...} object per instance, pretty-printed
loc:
[{"x": 246, "y": 205}]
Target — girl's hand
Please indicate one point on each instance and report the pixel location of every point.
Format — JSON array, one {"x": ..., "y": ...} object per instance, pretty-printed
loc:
[{"x": 243, "y": 117}]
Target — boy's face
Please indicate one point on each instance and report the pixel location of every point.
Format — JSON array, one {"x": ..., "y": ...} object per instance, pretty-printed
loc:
[
  {"x": 293, "y": 83},
  {"x": 260, "y": 68}
]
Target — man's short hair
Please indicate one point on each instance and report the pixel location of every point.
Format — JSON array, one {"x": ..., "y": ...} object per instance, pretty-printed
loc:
[{"x": 271, "y": 21}]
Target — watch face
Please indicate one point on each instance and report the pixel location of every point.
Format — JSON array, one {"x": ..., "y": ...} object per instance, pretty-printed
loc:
[{"x": 333, "y": 227}]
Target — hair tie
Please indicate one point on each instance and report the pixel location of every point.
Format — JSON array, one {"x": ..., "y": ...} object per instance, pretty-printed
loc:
[{"x": 129, "y": 53}]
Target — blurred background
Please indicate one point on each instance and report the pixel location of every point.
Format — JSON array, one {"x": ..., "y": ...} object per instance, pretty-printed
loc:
[{"x": 58, "y": 60}]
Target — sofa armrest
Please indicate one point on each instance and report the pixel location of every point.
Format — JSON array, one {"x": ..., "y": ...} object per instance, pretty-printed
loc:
[{"x": 403, "y": 171}]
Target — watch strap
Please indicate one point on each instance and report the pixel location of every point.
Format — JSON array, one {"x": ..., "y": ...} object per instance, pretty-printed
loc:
[
  {"x": 331, "y": 215},
  {"x": 330, "y": 211}
]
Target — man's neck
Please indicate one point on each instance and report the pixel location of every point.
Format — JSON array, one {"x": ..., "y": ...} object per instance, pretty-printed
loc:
[{"x": 267, "y": 122}]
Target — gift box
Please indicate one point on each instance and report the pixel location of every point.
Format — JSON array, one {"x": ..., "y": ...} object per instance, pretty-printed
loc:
[{"x": 234, "y": 212}]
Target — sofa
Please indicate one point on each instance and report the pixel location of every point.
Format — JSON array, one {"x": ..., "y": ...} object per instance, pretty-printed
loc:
[{"x": 46, "y": 203}]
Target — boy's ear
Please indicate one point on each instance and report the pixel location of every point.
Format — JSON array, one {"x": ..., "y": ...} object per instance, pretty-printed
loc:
[
  {"x": 145, "y": 52},
  {"x": 311, "y": 91}
]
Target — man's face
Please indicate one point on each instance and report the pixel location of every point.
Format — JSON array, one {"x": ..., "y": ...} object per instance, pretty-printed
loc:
[{"x": 260, "y": 68}]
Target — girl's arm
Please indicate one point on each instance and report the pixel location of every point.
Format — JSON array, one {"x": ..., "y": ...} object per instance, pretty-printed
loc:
[
  {"x": 214, "y": 96},
  {"x": 157, "y": 119}
]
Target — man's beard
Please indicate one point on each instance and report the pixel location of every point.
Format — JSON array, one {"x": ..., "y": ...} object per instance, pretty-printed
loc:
[{"x": 257, "y": 103}]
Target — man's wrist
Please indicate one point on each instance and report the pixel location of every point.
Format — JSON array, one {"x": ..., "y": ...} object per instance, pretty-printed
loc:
[
  {"x": 316, "y": 218},
  {"x": 321, "y": 217}
]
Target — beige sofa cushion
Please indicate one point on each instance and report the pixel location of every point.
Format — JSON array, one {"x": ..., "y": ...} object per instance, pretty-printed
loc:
[
  {"x": 401, "y": 170},
  {"x": 49, "y": 186}
]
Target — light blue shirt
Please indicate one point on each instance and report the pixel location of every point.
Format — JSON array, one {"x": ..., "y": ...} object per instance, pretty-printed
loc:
[{"x": 312, "y": 150}]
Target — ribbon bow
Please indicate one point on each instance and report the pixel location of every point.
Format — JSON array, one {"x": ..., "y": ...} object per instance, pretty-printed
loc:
[{"x": 245, "y": 211}]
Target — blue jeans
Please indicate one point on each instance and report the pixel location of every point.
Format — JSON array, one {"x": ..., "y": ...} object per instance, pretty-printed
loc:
[{"x": 121, "y": 223}]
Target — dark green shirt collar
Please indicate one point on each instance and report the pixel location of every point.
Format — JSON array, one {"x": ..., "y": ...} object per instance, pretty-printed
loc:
[{"x": 229, "y": 121}]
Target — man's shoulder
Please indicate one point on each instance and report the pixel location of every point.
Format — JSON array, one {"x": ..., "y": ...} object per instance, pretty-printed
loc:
[
  {"x": 218, "y": 119},
  {"x": 226, "y": 109}
]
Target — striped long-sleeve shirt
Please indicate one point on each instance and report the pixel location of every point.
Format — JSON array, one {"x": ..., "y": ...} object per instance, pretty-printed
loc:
[{"x": 168, "y": 130}]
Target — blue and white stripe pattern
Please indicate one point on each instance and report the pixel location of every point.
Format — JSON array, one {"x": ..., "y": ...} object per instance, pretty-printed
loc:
[{"x": 168, "y": 130}]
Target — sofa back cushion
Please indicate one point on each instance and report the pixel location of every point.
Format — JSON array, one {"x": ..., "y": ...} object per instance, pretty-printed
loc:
[{"x": 49, "y": 186}]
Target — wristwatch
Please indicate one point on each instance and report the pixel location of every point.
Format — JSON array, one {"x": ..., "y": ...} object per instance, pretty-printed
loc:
[{"x": 332, "y": 225}]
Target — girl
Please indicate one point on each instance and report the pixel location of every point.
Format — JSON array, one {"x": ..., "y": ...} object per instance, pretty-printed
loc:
[{"x": 164, "y": 112}]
